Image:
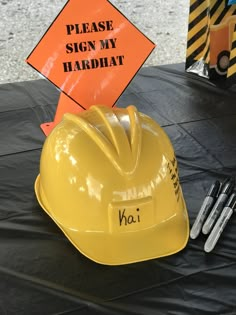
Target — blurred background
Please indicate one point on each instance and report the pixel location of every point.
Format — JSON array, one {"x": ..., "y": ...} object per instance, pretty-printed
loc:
[{"x": 22, "y": 23}]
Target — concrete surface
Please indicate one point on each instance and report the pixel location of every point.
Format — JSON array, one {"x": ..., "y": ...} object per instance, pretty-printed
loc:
[{"x": 22, "y": 23}]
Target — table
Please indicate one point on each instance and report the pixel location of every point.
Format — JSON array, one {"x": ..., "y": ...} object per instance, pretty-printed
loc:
[{"x": 42, "y": 273}]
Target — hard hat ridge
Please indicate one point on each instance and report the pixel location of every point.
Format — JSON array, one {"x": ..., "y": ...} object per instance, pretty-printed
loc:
[{"x": 120, "y": 140}]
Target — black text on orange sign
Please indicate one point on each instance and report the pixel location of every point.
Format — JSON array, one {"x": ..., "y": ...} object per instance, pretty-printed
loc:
[{"x": 92, "y": 27}]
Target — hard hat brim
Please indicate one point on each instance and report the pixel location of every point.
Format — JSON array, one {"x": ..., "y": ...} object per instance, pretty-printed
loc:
[{"x": 161, "y": 240}]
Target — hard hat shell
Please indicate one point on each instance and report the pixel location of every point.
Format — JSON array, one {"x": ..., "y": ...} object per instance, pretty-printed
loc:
[{"x": 108, "y": 178}]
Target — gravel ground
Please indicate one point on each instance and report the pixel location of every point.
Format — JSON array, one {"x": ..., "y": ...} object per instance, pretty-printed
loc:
[{"x": 22, "y": 23}]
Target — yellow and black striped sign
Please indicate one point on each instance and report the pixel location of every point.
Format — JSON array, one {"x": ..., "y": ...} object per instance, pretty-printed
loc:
[
  {"x": 203, "y": 14},
  {"x": 231, "y": 72},
  {"x": 197, "y": 30}
]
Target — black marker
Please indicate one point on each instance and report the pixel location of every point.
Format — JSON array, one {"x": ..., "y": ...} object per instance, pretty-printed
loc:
[
  {"x": 226, "y": 190},
  {"x": 206, "y": 206},
  {"x": 221, "y": 223}
]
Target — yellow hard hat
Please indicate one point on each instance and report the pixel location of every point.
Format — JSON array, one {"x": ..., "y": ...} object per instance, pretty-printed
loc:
[{"x": 108, "y": 178}]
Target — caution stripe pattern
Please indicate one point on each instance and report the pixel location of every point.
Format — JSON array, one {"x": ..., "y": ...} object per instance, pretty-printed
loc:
[
  {"x": 203, "y": 14},
  {"x": 231, "y": 73},
  {"x": 197, "y": 29}
]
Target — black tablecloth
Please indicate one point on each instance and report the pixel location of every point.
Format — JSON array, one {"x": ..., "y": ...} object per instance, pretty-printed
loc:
[{"x": 42, "y": 273}]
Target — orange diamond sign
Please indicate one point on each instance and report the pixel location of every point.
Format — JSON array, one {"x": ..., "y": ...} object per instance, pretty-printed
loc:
[{"x": 91, "y": 52}]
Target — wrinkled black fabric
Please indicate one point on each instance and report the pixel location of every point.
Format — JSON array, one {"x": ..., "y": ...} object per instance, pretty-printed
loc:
[{"x": 42, "y": 273}]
